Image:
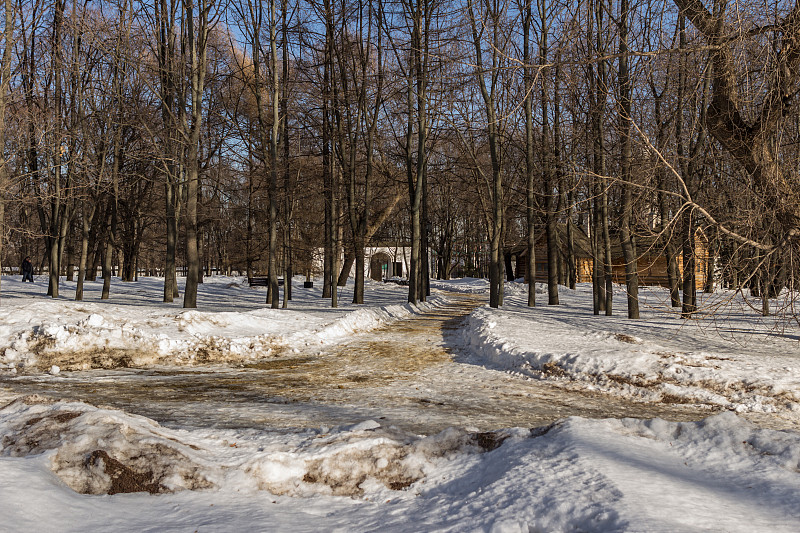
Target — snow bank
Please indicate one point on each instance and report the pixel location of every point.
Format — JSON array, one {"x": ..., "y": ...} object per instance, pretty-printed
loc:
[
  {"x": 99, "y": 451},
  {"x": 134, "y": 329},
  {"x": 103, "y": 451},
  {"x": 719, "y": 474},
  {"x": 659, "y": 358}
]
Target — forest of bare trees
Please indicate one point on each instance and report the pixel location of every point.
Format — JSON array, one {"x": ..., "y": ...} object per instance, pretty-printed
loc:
[{"x": 189, "y": 137}]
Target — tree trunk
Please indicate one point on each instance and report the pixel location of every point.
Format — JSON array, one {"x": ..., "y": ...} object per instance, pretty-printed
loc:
[
  {"x": 626, "y": 229},
  {"x": 327, "y": 171},
  {"x": 489, "y": 96},
  {"x": 5, "y": 80},
  {"x": 530, "y": 165},
  {"x": 335, "y": 240},
  {"x": 548, "y": 166},
  {"x": 112, "y": 216},
  {"x": 347, "y": 267},
  {"x": 57, "y": 201},
  {"x": 197, "y": 39},
  {"x": 750, "y": 141},
  {"x": 168, "y": 71},
  {"x": 417, "y": 80},
  {"x": 86, "y": 224},
  {"x": 602, "y": 297},
  {"x": 607, "y": 262},
  {"x": 273, "y": 159},
  {"x": 689, "y": 286},
  {"x": 287, "y": 193}
]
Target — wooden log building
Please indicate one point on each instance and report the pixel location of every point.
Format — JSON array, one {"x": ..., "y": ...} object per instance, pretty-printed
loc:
[{"x": 651, "y": 263}]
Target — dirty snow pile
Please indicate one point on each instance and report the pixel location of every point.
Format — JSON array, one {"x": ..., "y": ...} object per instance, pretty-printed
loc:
[
  {"x": 135, "y": 329},
  {"x": 728, "y": 357},
  {"x": 719, "y": 474}
]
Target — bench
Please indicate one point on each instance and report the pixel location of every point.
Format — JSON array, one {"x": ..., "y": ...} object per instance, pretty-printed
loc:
[{"x": 263, "y": 281}]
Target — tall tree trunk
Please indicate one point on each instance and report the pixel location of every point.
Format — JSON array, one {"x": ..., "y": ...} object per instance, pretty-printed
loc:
[
  {"x": 548, "y": 164},
  {"x": 287, "y": 193},
  {"x": 5, "y": 80},
  {"x": 416, "y": 167},
  {"x": 626, "y": 231},
  {"x": 489, "y": 96},
  {"x": 530, "y": 164},
  {"x": 273, "y": 158},
  {"x": 597, "y": 96},
  {"x": 197, "y": 25},
  {"x": 327, "y": 170},
  {"x": 688, "y": 163},
  {"x": 57, "y": 199},
  {"x": 601, "y": 88},
  {"x": 165, "y": 11}
]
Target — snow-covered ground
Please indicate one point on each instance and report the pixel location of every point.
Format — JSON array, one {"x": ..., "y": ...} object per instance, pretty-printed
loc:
[
  {"x": 728, "y": 357},
  {"x": 60, "y": 460},
  {"x": 134, "y": 328},
  {"x": 69, "y": 466}
]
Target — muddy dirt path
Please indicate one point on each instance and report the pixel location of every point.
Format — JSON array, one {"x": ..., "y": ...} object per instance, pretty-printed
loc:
[{"x": 411, "y": 374}]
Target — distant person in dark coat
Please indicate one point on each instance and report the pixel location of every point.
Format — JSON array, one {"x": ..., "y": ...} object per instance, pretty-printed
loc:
[{"x": 27, "y": 270}]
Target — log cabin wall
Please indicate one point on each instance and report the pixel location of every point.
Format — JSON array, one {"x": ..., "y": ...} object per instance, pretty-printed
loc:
[{"x": 652, "y": 264}]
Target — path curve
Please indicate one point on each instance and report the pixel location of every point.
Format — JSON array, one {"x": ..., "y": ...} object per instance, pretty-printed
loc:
[{"x": 413, "y": 374}]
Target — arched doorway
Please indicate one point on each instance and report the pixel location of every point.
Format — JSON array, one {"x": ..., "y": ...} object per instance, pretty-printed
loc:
[{"x": 379, "y": 266}]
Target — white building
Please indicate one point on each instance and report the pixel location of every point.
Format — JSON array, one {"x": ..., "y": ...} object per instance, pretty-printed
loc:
[{"x": 381, "y": 262}]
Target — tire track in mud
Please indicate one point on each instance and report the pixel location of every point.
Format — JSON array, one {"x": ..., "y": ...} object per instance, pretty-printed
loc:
[{"x": 411, "y": 373}]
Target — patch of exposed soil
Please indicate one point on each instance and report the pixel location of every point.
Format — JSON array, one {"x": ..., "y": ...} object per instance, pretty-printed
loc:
[
  {"x": 621, "y": 337},
  {"x": 123, "y": 479},
  {"x": 553, "y": 369}
]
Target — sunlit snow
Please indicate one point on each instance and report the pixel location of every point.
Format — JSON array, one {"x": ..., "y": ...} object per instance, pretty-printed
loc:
[{"x": 66, "y": 465}]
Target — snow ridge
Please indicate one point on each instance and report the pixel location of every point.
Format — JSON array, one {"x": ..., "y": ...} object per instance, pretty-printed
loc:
[
  {"x": 720, "y": 474},
  {"x": 625, "y": 358},
  {"x": 41, "y": 335}
]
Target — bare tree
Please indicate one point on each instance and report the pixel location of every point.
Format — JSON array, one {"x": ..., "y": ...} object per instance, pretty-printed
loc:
[
  {"x": 420, "y": 15},
  {"x": 490, "y": 22},
  {"x": 530, "y": 166},
  {"x": 358, "y": 94},
  {"x": 549, "y": 161},
  {"x": 170, "y": 98},
  {"x": 626, "y": 227},
  {"x": 198, "y": 24},
  {"x": 5, "y": 81}
]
